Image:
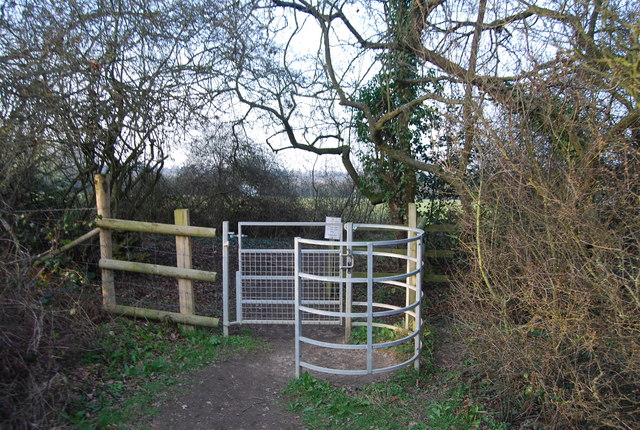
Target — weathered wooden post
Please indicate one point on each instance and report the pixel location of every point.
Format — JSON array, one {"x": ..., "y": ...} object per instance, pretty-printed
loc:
[
  {"x": 103, "y": 205},
  {"x": 183, "y": 256},
  {"x": 412, "y": 251}
]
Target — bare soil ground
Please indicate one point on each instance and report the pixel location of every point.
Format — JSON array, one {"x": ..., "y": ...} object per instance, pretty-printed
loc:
[{"x": 243, "y": 392}]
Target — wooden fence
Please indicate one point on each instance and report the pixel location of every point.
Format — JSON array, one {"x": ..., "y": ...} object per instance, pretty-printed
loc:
[
  {"x": 438, "y": 253},
  {"x": 183, "y": 270},
  {"x": 428, "y": 254}
]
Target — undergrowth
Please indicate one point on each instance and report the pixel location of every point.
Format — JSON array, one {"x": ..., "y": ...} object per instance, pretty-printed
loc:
[
  {"x": 133, "y": 364},
  {"x": 382, "y": 335},
  {"x": 395, "y": 404},
  {"x": 433, "y": 398}
]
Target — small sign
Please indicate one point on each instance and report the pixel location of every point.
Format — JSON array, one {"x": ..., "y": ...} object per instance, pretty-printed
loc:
[{"x": 333, "y": 229}]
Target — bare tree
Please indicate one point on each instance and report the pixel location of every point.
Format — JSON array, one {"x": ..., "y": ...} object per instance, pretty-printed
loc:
[
  {"x": 85, "y": 86},
  {"x": 104, "y": 86},
  {"x": 485, "y": 55}
]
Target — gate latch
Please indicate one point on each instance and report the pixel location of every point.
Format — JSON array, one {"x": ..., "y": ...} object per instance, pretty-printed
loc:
[{"x": 346, "y": 261}]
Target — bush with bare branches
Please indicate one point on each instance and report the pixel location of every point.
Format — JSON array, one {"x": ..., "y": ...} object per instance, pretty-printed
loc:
[
  {"x": 551, "y": 298},
  {"x": 46, "y": 319}
]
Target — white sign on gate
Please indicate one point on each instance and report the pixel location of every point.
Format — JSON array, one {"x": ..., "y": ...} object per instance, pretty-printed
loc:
[{"x": 333, "y": 229}]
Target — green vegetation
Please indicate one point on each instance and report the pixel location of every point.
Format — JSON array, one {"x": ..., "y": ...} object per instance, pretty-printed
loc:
[
  {"x": 433, "y": 398},
  {"x": 439, "y": 211},
  {"x": 383, "y": 334},
  {"x": 397, "y": 404},
  {"x": 380, "y": 334},
  {"x": 460, "y": 412},
  {"x": 134, "y": 363}
]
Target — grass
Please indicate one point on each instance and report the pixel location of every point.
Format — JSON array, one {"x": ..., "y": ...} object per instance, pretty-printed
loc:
[
  {"x": 134, "y": 364},
  {"x": 324, "y": 406},
  {"x": 433, "y": 398},
  {"x": 381, "y": 335},
  {"x": 395, "y": 404}
]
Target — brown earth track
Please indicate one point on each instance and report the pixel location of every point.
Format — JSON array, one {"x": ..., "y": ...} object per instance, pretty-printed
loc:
[{"x": 243, "y": 393}]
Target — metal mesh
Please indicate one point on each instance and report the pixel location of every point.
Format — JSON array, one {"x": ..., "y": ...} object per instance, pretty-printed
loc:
[
  {"x": 267, "y": 263},
  {"x": 267, "y": 285}
]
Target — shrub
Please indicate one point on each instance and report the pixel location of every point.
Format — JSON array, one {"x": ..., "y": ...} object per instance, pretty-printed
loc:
[{"x": 551, "y": 297}]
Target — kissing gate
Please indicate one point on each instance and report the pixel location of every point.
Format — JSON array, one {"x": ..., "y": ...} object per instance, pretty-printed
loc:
[{"x": 349, "y": 275}]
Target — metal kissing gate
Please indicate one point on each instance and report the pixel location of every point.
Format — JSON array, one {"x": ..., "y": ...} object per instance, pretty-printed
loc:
[{"x": 363, "y": 282}]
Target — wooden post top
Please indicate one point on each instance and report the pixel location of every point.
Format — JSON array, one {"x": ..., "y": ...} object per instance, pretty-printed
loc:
[{"x": 103, "y": 194}]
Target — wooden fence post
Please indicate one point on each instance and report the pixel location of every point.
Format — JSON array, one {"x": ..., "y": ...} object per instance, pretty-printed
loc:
[
  {"x": 183, "y": 254},
  {"x": 412, "y": 250},
  {"x": 103, "y": 205}
]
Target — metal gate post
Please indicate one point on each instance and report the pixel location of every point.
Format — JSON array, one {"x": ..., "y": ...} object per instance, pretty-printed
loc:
[
  {"x": 298, "y": 302},
  {"x": 225, "y": 278},
  {"x": 369, "y": 307},
  {"x": 412, "y": 252},
  {"x": 418, "y": 310},
  {"x": 239, "y": 277},
  {"x": 348, "y": 289}
]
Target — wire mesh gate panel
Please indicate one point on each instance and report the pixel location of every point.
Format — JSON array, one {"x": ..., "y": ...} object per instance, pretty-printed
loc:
[
  {"x": 264, "y": 282},
  {"x": 310, "y": 281}
]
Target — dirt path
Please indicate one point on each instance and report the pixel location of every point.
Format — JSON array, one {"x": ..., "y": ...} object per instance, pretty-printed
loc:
[
  {"x": 236, "y": 393},
  {"x": 242, "y": 393}
]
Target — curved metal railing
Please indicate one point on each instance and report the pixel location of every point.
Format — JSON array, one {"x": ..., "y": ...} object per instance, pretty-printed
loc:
[{"x": 364, "y": 253}]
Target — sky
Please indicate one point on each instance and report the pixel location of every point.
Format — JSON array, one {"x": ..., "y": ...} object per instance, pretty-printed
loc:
[
  {"x": 291, "y": 159},
  {"x": 306, "y": 44}
]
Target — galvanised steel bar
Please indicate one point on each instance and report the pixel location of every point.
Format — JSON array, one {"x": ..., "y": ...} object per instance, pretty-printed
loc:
[
  {"x": 225, "y": 278},
  {"x": 369, "y": 307},
  {"x": 411, "y": 310},
  {"x": 298, "y": 320}
]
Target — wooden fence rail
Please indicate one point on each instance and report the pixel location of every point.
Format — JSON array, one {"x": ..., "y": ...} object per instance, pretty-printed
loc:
[
  {"x": 157, "y": 269},
  {"x": 438, "y": 253},
  {"x": 157, "y": 228},
  {"x": 185, "y": 274},
  {"x": 52, "y": 253}
]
